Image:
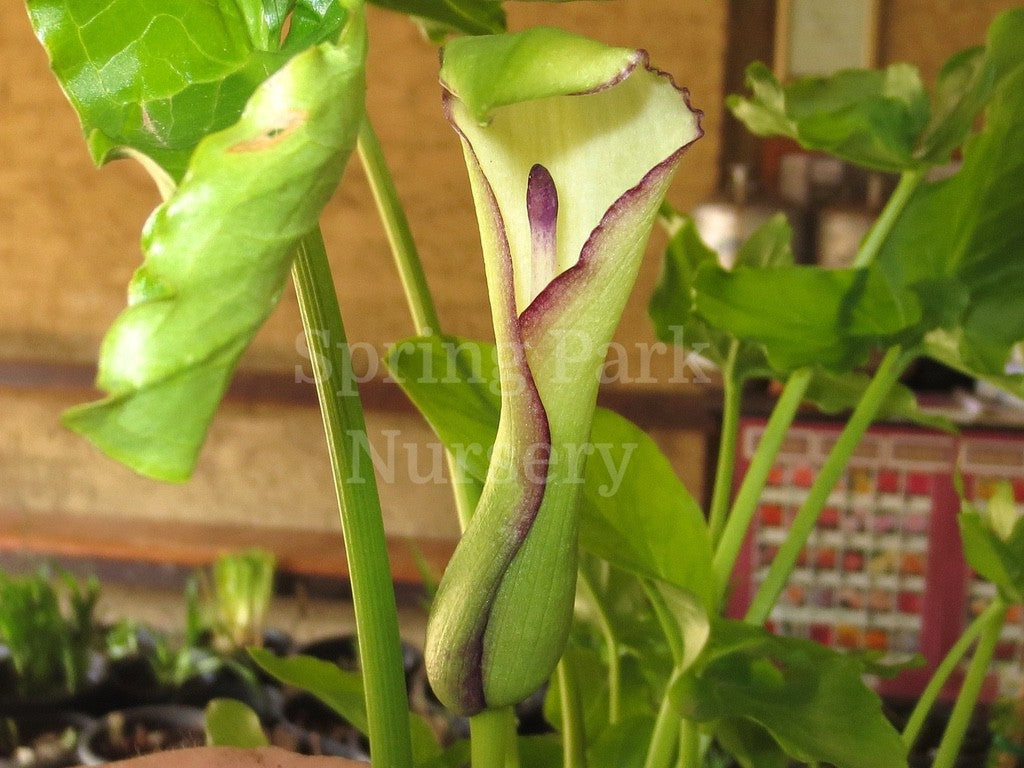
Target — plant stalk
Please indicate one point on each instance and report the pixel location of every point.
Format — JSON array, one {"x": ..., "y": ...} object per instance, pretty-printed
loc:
[
  {"x": 732, "y": 396},
  {"x": 373, "y": 594},
  {"x": 586, "y": 585},
  {"x": 749, "y": 493},
  {"x": 926, "y": 701},
  {"x": 960, "y": 718},
  {"x": 889, "y": 371},
  {"x": 414, "y": 282},
  {"x": 666, "y": 736},
  {"x": 399, "y": 234},
  {"x": 872, "y": 244},
  {"x": 489, "y": 736},
  {"x": 574, "y": 739}
]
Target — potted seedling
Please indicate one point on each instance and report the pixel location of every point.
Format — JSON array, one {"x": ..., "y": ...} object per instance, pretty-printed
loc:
[
  {"x": 570, "y": 146},
  {"x": 47, "y": 740},
  {"x": 48, "y": 640}
]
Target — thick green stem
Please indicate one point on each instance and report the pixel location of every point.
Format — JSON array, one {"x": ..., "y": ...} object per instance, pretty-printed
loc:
[
  {"x": 589, "y": 593},
  {"x": 361, "y": 521},
  {"x": 887, "y": 218},
  {"x": 960, "y": 718},
  {"x": 942, "y": 672},
  {"x": 666, "y": 735},
  {"x": 732, "y": 396},
  {"x": 414, "y": 282},
  {"x": 690, "y": 747},
  {"x": 889, "y": 370},
  {"x": 574, "y": 738},
  {"x": 754, "y": 480},
  {"x": 489, "y": 737},
  {"x": 396, "y": 227}
]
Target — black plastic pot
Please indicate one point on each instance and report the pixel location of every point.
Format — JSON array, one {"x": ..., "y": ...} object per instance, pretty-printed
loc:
[
  {"x": 141, "y": 730},
  {"x": 51, "y": 740},
  {"x": 319, "y": 730},
  {"x": 13, "y": 704}
]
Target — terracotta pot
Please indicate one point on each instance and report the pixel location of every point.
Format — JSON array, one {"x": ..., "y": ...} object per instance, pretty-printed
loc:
[{"x": 226, "y": 757}]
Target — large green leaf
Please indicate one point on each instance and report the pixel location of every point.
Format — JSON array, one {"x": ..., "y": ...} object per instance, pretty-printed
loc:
[
  {"x": 810, "y": 699},
  {"x": 635, "y": 511},
  {"x": 840, "y": 393},
  {"x": 474, "y": 17},
  {"x": 217, "y": 255},
  {"x": 158, "y": 82},
  {"x": 872, "y": 118},
  {"x": 803, "y": 315},
  {"x": 637, "y": 514},
  {"x": 962, "y": 238},
  {"x": 671, "y": 304}
]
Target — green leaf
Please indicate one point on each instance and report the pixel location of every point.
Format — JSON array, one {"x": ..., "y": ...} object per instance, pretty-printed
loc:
[
  {"x": 217, "y": 255},
  {"x": 803, "y": 315},
  {"x": 840, "y": 393},
  {"x": 993, "y": 542},
  {"x": 671, "y": 303},
  {"x": 490, "y": 72},
  {"x": 968, "y": 230},
  {"x": 231, "y": 723},
  {"x": 623, "y": 745},
  {"x": 810, "y": 699},
  {"x": 342, "y": 691},
  {"x": 339, "y": 689},
  {"x": 872, "y": 118},
  {"x": 157, "y": 83},
  {"x": 637, "y": 515},
  {"x": 961, "y": 89},
  {"x": 474, "y": 17}
]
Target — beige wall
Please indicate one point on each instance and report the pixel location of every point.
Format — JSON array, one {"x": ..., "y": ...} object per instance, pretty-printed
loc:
[{"x": 69, "y": 234}]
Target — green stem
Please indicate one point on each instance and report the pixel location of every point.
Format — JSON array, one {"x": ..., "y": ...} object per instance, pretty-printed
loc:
[
  {"x": 362, "y": 525},
  {"x": 414, "y": 282},
  {"x": 749, "y": 494},
  {"x": 966, "y": 700},
  {"x": 396, "y": 227},
  {"x": 574, "y": 738},
  {"x": 872, "y": 244},
  {"x": 732, "y": 397},
  {"x": 489, "y": 737},
  {"x": 667, "y": 622},
  {"x": 889, "y": 370},
  {"x": 689, "y": 745},
  {"x": 666, "y": 735},
  {"x": 604, "y": 623},
  {"x": 942, "y": 672}
]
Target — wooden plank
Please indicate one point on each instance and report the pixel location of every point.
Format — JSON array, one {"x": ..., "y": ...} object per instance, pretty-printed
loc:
[{"x": 300, "y": 552}]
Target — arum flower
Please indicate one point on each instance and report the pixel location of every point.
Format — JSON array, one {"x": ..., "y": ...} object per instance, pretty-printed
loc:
[{"x": 570, "y": 146}]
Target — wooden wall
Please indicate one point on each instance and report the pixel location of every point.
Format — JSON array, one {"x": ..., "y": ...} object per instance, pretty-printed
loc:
[{"x": 68, "y": 245}]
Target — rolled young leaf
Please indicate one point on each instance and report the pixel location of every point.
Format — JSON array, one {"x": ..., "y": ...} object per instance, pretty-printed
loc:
[
  {"x": 570, "y": 147},
  {"x": 217, "y": 255}
]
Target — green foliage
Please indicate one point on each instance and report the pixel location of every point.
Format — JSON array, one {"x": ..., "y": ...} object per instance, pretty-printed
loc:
[
  {"x": 809, "y": 699},
  {"x": 260, "y": 168},
  {"x": 959, "y": 239},
  {"x": 342, "y": 691},
  {"x": 241, "y": 591},
  {"x": 993, "y": 542},
  {"x": 50, "y": 647},
  {"x": 231, "y": 723}
]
